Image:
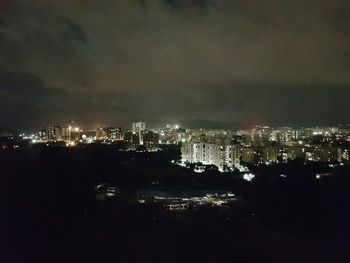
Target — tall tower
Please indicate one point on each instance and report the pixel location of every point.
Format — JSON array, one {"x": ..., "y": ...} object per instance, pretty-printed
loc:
[{"x": 138, "y": 128}]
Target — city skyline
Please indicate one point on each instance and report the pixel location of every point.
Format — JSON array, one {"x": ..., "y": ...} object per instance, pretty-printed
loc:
[
  {"x": 226, "y": 150},
  {"x": 158, "y": 124}
]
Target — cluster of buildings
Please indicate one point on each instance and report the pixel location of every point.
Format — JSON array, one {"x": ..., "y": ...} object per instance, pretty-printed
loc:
[
  {"x": 225, "y": 150},
  {"x": 138, "y": 137},
  {"x": 69, "y": 134},
  {"x": 229, "y": 150}
]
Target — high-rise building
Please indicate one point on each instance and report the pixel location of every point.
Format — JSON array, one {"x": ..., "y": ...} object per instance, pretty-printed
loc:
[
  {"x": 225, "y": 157},
  {"x": 71, "y": 134},
  {"x": 109, "y": 133},
  {"x": 51, "y": 133},
  {"x": 151, "y": 140},
  {"x": 114, "y": 133},
  {"x": 346, "y": 154},
  {"x": 252, "y": 155},
  {"x": 138, "y": 128},
  {"x": 205, "y": 153},
  {"x": 326, "y": 154},
  {"x": 230, "y": 156},
  {"x": 270, "y": 154},
  {"x": 101, "y": 134}
]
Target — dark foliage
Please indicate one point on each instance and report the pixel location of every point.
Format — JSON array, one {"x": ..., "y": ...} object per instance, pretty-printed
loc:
[{"x": 49, "y": 212}]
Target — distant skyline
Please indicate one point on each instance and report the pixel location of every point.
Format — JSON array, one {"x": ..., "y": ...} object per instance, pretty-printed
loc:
[
  {"x": 159, "y": 124},
  {"x": 224, "y": 62}
]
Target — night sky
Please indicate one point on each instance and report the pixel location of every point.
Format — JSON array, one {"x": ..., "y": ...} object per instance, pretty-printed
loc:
[{"x": 96, "y": 62}]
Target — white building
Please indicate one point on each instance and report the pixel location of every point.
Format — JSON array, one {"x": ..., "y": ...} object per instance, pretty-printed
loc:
[
  {"x": 138, "y": 128},
  {"x": 222, "y": 156},
  {"x": 231, "y": 155}
]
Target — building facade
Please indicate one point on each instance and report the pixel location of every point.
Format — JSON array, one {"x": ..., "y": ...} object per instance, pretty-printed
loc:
[{"x": 225, "y": 157}]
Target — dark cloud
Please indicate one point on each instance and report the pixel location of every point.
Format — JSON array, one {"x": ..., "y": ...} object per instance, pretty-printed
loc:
[{"x": 232, "y": 61}]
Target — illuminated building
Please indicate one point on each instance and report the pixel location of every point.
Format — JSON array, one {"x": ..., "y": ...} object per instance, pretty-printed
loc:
[
  {"x": 230, "y": 157},
  {"x": 181, "y": 136},
  {"x": 283, "y": 154},
  {"x": 204, "y": 153},
  {"x": 225, "y": 157},
  {"x": 71, "y": 134},
  {"x": 270, "y": 155},
  {"x": 345, "y": 154},
  {"x": 51, "y": 133},
  {"x": 109, "y": 133},
  {"x": 326, "y": 154},
  {"x": 252, "y": 155},
  {"x": 259, "y": 136},
  {"x": 138, "y": 128},
  {"x": 114, "y": 133},
  {"x": 101, "y": 134},
  {"x": 57, "y": 133},
  {"x": 172, "y": 127},
  {"x": 150, "y": 140},
  {"x": 294, "y": 152},
  {"x": 129, "y": 138}
]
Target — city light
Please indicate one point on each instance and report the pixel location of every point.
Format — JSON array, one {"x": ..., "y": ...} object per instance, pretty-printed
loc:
[
  {"x": 71, "y": 144},
  {"x": 227, "y": 150},
  {"x": 248, "y": 177}
]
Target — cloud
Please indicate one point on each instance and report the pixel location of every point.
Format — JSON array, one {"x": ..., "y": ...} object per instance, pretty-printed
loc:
[{"x": 222, "y": 60}]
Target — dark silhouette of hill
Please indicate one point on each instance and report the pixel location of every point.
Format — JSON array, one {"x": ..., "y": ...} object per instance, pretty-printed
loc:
[{"x": 50, "y": 212}]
